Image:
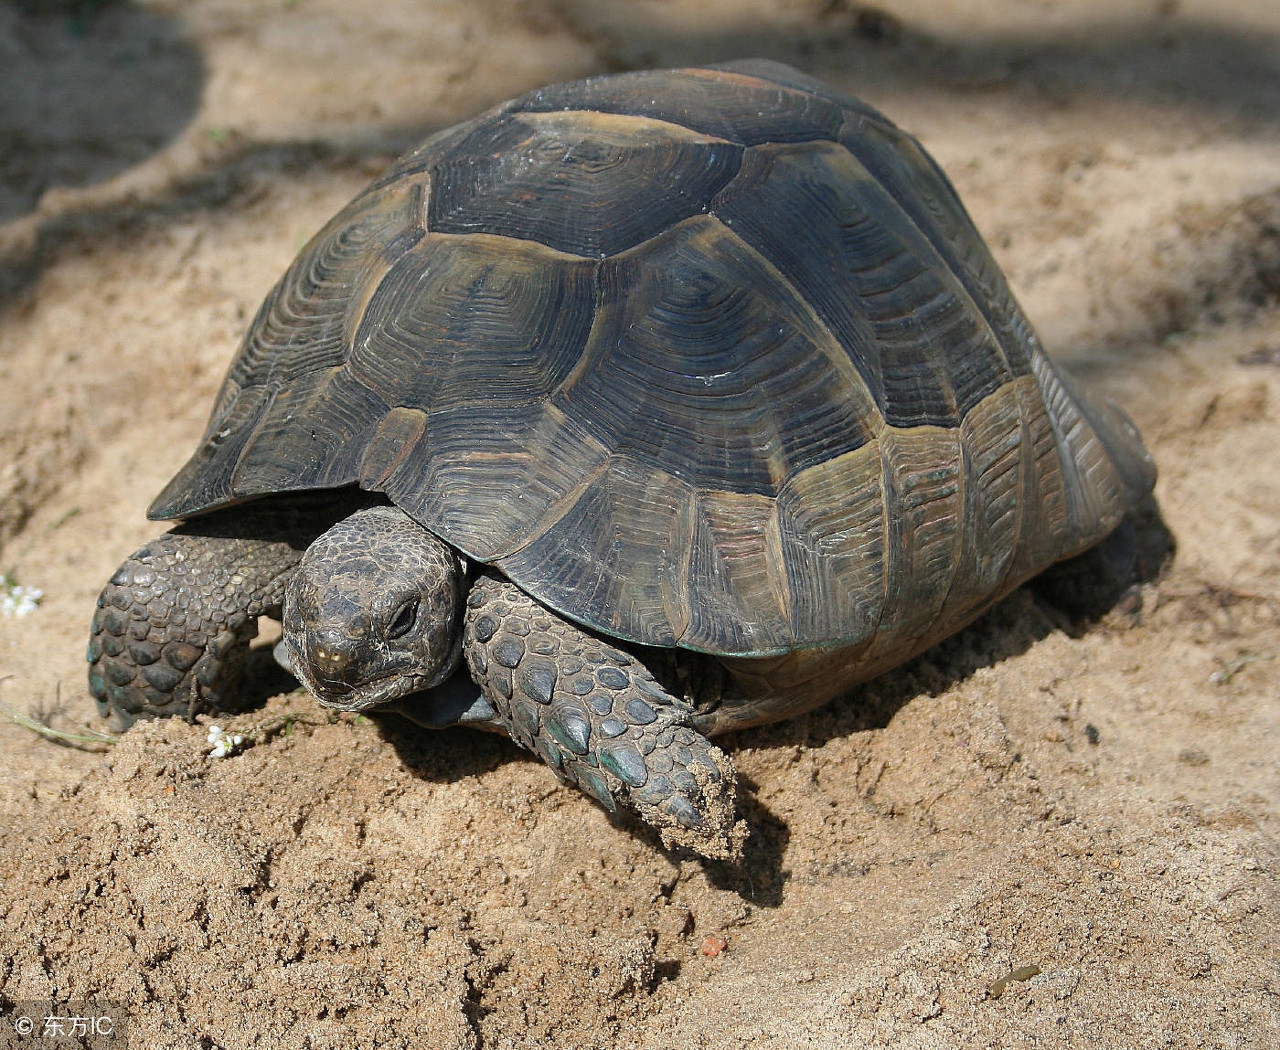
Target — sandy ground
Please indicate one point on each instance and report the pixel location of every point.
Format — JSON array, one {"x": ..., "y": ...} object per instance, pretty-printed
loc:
[{"x": 1098, "y": 801}]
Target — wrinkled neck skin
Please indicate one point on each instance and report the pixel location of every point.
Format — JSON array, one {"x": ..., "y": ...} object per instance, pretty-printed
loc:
[{"x": 373, "y": 611}]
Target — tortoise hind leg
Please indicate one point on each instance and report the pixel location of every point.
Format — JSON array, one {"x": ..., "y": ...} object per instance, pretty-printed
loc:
[
  {"x": 1108, "y": 575},
  {"x": 171, "y": 632},
  {"x": 599, "y": 719}
]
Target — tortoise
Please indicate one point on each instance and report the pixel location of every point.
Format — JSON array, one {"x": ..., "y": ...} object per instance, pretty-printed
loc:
[{"x": 635, "y": 410}]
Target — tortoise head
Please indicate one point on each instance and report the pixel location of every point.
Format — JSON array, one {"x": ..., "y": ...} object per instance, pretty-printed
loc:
[{"x": 373, "y": 611}]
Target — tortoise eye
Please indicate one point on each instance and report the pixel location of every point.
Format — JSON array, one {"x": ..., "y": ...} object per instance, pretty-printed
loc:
[{"x": 404, "y": 619}]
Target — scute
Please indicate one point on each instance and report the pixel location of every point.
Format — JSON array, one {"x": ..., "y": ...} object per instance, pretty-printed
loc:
[
  {"x": 710, "y": 358},
  {"x": 703, "y": 363},
  {"x": 602, "y": 182},
  {"x": 873, "y": 277}
]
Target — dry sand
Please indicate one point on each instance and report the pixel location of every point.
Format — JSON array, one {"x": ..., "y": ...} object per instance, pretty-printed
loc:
[{"x": 1099, "y": 802}]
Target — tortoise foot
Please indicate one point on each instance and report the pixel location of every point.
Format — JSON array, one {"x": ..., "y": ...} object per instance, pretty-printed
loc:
[
  {"x": 600, "y": 720},
  {"x": 171, "y": 630}
]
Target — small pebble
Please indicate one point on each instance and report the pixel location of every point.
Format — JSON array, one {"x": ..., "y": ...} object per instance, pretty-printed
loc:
[{"x": 713, "y": 945}]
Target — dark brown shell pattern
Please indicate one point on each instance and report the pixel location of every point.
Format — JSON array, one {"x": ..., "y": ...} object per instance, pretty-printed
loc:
[{"x": 710, "y": 358}]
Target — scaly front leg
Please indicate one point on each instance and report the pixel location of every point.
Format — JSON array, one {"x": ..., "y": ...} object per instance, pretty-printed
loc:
[
  {"x": 172, "y": 628},
  {"x": 599, "y": 719}
]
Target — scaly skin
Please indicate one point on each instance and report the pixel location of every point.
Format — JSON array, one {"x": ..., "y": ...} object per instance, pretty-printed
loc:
[
  {"x": 599, "y": 719},
  {"x": 372, "y": 612},
  {"x": 172, "y": 628}
]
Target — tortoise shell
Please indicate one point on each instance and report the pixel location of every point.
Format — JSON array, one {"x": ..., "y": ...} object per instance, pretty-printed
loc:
[{"x": 708, "y": 358}]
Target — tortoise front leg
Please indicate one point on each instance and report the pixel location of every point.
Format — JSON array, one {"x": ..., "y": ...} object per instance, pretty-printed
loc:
[
  {"x": 172, "y": 628},
  {"x": 599, "y": 719}
]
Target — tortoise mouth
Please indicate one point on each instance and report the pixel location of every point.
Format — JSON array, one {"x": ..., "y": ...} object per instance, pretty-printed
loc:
[{"x": 376, "y": 692}]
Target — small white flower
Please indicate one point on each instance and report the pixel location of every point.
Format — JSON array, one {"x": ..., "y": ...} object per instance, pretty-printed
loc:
[
  {"x": 224, "y": 743},
  {"x": 16, "y": 600}
]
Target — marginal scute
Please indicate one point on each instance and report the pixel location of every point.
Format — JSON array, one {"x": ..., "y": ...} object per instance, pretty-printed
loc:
[
  {"x": 924, "y": 482},
  {"x": 833, "y": 534},
  {"x": 1043, "y": 532},
  {"x": 992, "y": 439},
  {"x": 737, "y": 547},
  {"x": 1092, "y": 489},
  {"x": 205, "y": 481},
  {"x": 303, "y": 328},
  {"x": 1131, "y": 467}
]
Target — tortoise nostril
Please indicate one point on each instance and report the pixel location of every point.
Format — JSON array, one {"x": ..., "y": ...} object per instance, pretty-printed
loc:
[{"x": 334, "y": 661}]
